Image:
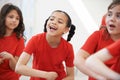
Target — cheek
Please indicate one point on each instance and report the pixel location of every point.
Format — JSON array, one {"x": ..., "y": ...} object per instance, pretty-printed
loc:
[
  {"x": 106, "y": 21},
  {"x": 118, "y": 31},
  {"x": 18, "y": 22},
  {"x": 6, "y": 22},
  {"x": 118, "y": 28},
  {"x": 46, "y": 26},
  {"x": 118, "y": 23}
]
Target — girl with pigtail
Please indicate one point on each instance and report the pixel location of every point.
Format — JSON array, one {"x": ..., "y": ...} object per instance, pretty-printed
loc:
[{"x": 50, "y": 50}]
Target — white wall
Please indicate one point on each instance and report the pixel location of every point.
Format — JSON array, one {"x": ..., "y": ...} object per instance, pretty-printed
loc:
[
  {"x": 18, "y": 2},
  {"x": 97, "y": 8}
]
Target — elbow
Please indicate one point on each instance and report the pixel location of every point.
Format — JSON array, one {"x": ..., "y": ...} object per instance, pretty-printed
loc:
[
  {"x": 89, "y": 62},
  {"x": 80, "y": 59},
  {"x": 17, "y": 69},
  {"x": 76, "y": 62}
]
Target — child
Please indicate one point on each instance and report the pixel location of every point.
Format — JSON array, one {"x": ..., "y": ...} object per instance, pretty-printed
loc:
[
  {"x": 49, "y": 51},
  {"x": 11, "y": 40},
  {"x": 103, "y": 21},
  {"x": 103, "y": 55},
  {"x": 100, "y": 39}
]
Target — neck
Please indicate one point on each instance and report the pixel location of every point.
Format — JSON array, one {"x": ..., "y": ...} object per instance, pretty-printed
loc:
[
  {"x": 8, "y": 33},
  {"x": 115, "y": 37},
  {"x": 53, "y": 41}
]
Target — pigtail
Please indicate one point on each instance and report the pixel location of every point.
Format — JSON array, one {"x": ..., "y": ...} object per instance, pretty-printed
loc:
[
  {"x": 45, "y": 30},
  {"x": 71, "y": 32}
]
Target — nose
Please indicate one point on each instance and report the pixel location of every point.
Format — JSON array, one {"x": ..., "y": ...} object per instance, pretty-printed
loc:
[
  {"x": 112, "y": 18},
  {"x": 54, "y": 21},
  {"x": 14, "y": 19}
]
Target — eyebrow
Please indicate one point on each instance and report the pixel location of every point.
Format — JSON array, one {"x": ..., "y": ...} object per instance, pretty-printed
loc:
[{"x": 58, "y": 18}]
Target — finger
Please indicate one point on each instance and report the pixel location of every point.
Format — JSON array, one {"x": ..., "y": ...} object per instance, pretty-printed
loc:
[
  {"x": 3, "y": 54},
  {"x": 1, "y": 62}
]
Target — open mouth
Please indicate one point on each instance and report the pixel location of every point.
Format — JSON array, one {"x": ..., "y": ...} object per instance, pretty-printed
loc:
[
  {"x": 53, "y": 28},
  {"x": 111, "y": 27}
]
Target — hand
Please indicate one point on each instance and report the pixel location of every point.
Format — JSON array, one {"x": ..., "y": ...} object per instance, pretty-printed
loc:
[
  {"x": 51, "y": 75},
  {"x": 1, "y": 60},
  {"x": 5, "y": 55}
]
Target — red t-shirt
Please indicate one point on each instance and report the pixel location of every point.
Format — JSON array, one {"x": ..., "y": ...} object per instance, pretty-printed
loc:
[
  {"x": 15, "y": 47},
  {"x": 114, "y": 50},
  {"x": 97, "y": 41},
  {"x": 50, "y": 59}
]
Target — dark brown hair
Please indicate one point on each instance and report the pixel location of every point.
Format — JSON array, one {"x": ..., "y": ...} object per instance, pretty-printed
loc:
[{"x": 19, "y": 30}]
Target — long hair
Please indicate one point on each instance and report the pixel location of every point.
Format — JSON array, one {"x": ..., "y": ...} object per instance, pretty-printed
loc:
[{"x": 19, "y": 30}]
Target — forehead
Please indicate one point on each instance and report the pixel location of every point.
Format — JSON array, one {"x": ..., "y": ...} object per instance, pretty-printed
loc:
[
  {"x": 13, "y": 12},
  {"x": 115, "y": 7},
  {"x": 59, "y": 15}
]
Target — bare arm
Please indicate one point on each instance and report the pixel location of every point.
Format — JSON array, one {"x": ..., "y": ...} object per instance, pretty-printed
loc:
[
  {"x": 25, "y": 70},
  {"x": 70, "y": 73},
  {"x": 99, "y": 67},
  {"x": 80, "y": 64}
]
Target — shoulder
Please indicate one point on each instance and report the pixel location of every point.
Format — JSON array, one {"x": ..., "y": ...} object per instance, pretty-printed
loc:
[
  {"x": 38, "y": 36},
  {"x": 66, "y": 44},
  {"x": 22, "y": 39},
  {"x": 98, "y": 32},
  {"x": 95, "y": 34},
  {"x": 114, "y": 48},
  {"x": 115, "y": 45}
]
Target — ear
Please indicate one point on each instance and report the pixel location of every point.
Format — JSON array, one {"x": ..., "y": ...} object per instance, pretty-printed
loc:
[{"x": 66, "y": 30}]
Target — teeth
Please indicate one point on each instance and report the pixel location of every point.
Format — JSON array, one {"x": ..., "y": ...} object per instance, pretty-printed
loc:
[
  {"x": 52, "y": 28},
  {"x": 112, "y": 26}
]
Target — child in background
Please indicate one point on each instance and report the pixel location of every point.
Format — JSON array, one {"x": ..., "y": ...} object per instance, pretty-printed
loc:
[
  {"x": 100, "y": 39},
  {"x": 50, "y": 50},
  {"x": 11, "y": 40},
  {"x": 103, "y": 21}
]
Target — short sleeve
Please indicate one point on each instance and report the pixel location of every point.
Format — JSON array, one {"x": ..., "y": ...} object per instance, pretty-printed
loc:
[
  {"x": 70, "y": 57},
  {"x": 31, "y": 45},
  {"x": 114, "y": 48},
  {"x": 91, "y": 43},
  {"x": 20, "y": 47}
]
